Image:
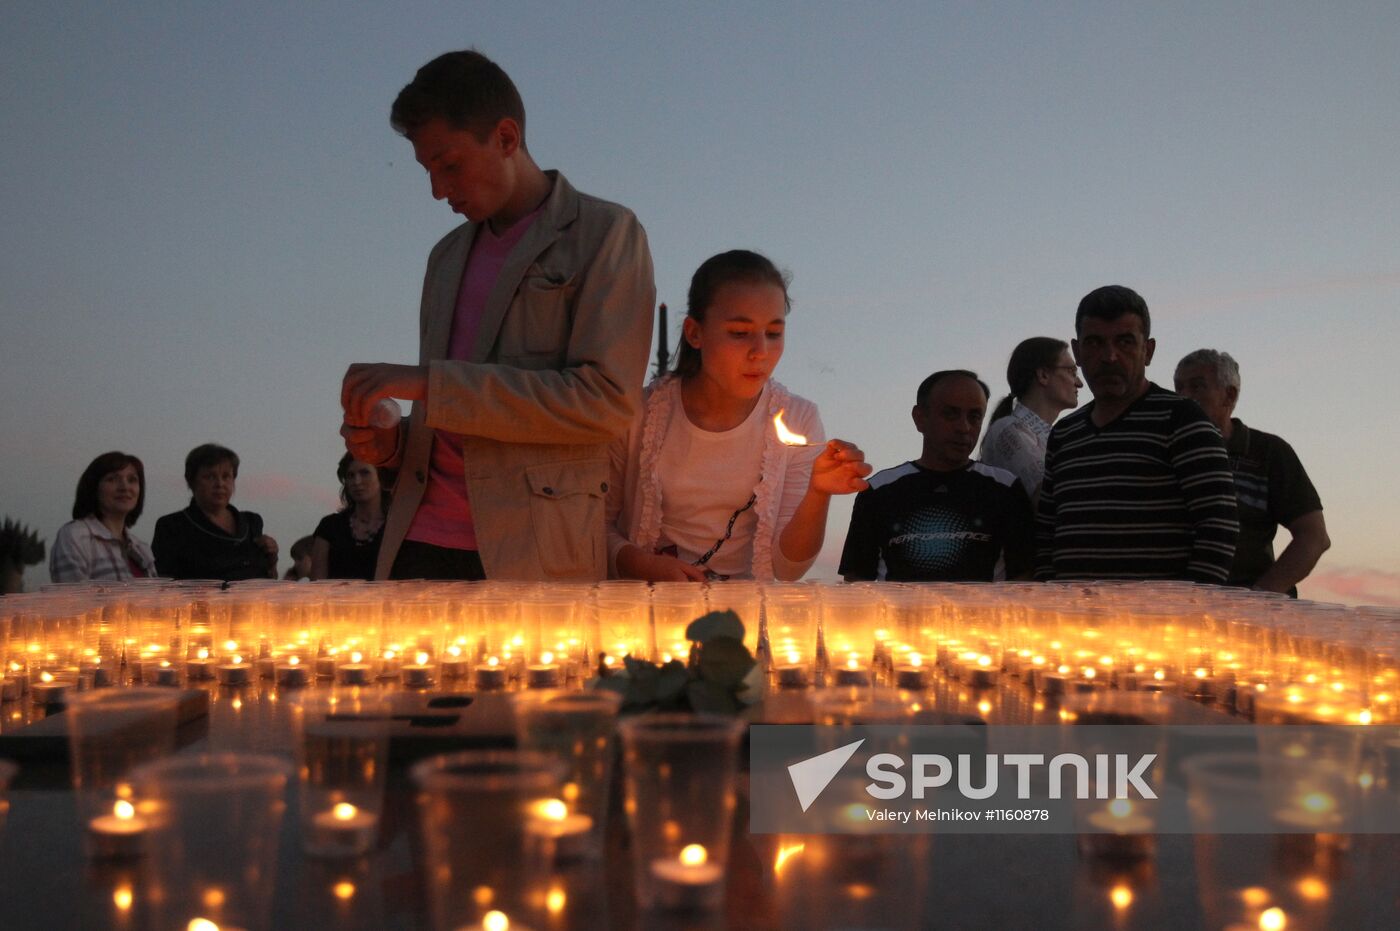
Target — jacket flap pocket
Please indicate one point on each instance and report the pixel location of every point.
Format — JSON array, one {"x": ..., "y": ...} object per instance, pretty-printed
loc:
[{"x": 565, "y": 479}]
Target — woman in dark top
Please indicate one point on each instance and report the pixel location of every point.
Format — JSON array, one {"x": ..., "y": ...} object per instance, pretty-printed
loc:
[
  {"x": 211, "y": 539},
  {"x": 346, "y": 543}
]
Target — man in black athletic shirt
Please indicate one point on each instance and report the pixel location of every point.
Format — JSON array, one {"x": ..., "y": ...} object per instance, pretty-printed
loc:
[{"x": 942, "y": 517}]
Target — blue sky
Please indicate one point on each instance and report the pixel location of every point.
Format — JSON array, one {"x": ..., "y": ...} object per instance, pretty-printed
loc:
[{"x": 207, "y": 216}]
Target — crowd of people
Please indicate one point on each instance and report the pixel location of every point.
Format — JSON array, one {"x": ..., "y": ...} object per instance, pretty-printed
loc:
[{"x": 533, "y": 451}]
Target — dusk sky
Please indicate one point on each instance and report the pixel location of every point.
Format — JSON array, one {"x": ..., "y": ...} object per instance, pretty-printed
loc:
[{"x": 207, "y": 216}]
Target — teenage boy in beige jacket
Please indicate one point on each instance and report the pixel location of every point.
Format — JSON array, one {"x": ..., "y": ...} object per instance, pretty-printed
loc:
[{"x": 535, "y": 327}]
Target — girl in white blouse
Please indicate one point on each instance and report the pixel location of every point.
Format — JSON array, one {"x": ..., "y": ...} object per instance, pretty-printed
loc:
[
  {"x": 1044, "y": 381},
  {"x": 702, "y": 487}
]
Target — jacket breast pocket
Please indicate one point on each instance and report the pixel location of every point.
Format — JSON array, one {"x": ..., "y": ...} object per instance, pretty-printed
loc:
[
  {"x": 542, "y": 307},
  {"x": 566, "y": 508}
]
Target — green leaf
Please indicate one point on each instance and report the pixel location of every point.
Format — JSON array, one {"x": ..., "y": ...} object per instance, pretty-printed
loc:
[
  {"x": 619, "y": 684},
  {"x": 670, "y": 684},
  {"x": 715, "y": 624},
  {"x": 710, "y": 698},
  {"x": 725, "y": 662},
  {"x": 635, "y": 667}
]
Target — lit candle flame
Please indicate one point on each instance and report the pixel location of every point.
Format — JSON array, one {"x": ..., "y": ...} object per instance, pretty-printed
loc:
[
  {"x": 786, "y": 436},
  {"x": 495, "y": 921},
  {"x": 124, "y": 810},
  {"x": 694, "y": 855},
  {"x": 785, "y": 854},
  {"x": 201, "y": 924},
  {"x": 46, "y": 677},
  {"x": 294, "y": 660},
  {"x": 552, "y": 810},
  {"x": 344, "y": 811},
  {"x": 422, "y": 658},
  {"x": 356, "y": 657},
  {"x": 546, "y": 657},
  {"x": 237, "y": 660}
]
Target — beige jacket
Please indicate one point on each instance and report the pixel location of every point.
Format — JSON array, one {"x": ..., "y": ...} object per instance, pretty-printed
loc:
[{"x": 555, "y": 375}]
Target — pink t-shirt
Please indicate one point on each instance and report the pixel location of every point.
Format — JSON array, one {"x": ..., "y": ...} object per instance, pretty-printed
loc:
[{"x": 444, "y": 516}]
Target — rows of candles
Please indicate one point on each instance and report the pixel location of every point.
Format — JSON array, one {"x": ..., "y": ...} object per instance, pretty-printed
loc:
[
  {"x": 1257, "y": 655},
  {"x": 1250, "y": 652}
]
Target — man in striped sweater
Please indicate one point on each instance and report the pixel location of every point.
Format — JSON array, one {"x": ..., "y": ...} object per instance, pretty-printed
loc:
[{"x": 1137, "y": 483}]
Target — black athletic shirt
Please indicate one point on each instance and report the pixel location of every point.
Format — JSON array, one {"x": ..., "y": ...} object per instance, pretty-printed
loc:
[{"x": 917, "y": 525}]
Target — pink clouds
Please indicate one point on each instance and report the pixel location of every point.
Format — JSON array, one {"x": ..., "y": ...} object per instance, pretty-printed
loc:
[{"x": 1353, "y": 586}]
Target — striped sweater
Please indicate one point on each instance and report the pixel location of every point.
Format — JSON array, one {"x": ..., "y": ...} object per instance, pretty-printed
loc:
[{"x": 1147, "y": 496}]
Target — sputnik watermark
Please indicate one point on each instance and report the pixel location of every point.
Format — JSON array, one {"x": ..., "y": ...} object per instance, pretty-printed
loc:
[
  {"x": 1116, "y": 779},
  {"x": 1112, "y": 773},
  {"x": 812, "y": 775}
]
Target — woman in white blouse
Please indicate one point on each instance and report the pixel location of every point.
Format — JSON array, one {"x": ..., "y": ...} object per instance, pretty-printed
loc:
[
  {"x": 1044, "y": 381},
  {"x": 98, "y": 543}
]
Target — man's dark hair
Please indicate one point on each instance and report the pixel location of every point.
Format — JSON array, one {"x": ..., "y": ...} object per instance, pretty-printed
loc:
[
  {"x": 208, "y": 456},
  {"x": 465, "y": 89},
  {"x": 85, "y": 501},
  {"x": 1111, "y": 302},
  {"x": 927, "y": 384}
]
